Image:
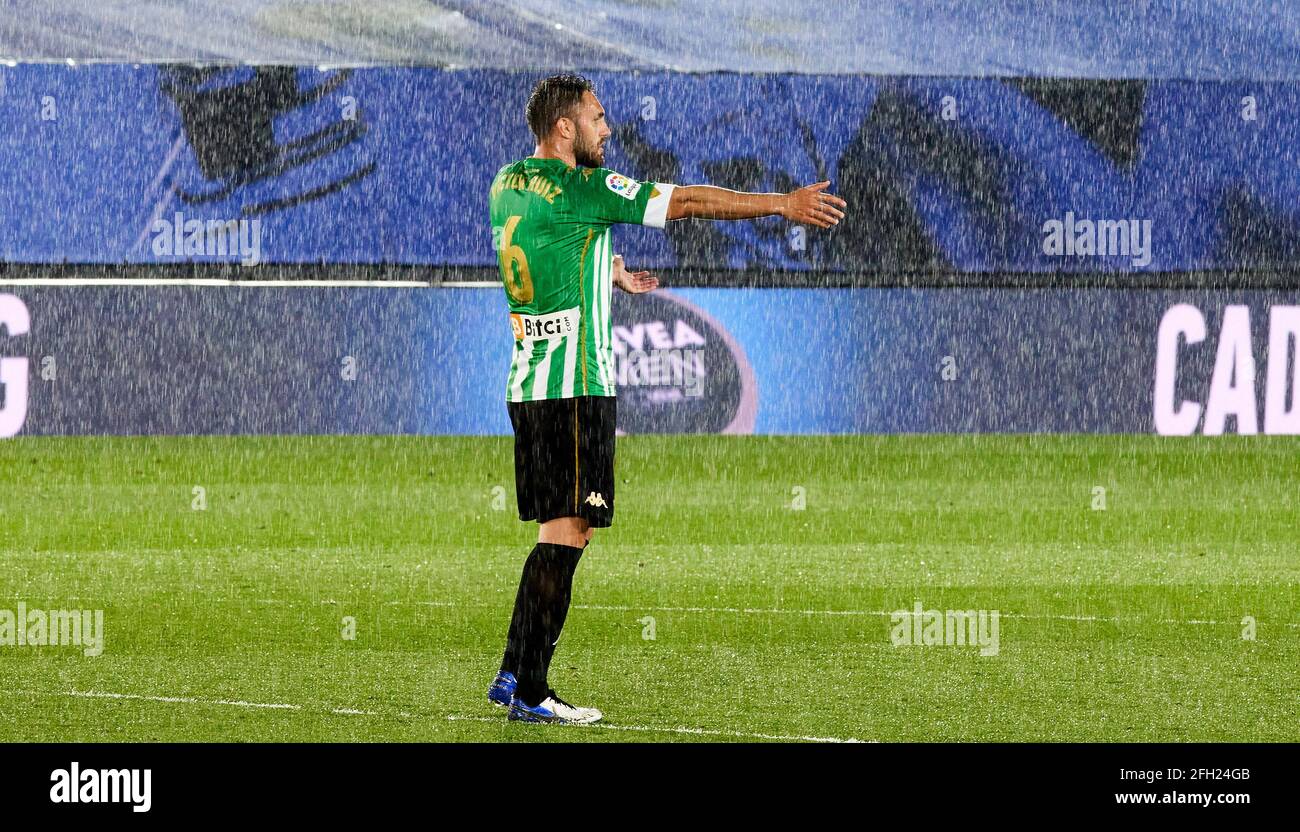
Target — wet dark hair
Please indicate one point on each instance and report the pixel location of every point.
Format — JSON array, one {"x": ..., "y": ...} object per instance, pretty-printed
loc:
[{"x": 555, "y": 98}]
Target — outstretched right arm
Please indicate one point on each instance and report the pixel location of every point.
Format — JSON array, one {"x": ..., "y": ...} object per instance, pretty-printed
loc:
[{"x": 806, "y": 206}]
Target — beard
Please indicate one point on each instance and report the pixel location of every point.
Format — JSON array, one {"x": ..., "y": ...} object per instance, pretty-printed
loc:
[{"x": 588, "y": 155}]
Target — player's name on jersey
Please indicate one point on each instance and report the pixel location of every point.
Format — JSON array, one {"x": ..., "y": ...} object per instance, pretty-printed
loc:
[{"x": 539, "y": 185}]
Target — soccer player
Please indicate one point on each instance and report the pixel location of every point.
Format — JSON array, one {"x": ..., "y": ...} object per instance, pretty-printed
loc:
[{"x": 551, "y": 216}]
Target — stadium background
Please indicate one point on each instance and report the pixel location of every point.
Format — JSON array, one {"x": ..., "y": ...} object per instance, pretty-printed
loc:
[
  {"x": 372, "y": 174},
  {"x": 354, "y": 587}
]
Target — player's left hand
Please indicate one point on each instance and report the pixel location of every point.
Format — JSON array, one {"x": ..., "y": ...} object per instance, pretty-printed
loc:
[{"x": 633, "y": 282}]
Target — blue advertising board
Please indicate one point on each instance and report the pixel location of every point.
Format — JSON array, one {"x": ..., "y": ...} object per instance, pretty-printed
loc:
[{"x": 318, "y": 360}]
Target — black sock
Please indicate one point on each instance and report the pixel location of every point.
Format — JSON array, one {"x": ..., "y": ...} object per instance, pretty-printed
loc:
[
  {"x": 563, "y": 608},
  {"x": 514, "y": 641},
  {"x": 541, "y": 605}
]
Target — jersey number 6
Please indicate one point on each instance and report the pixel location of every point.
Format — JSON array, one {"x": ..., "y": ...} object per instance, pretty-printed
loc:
[{"x": 512, "y": 256}]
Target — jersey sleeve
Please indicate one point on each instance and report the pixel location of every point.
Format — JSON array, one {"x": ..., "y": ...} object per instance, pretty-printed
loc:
[{"x": 609, "y": 197}]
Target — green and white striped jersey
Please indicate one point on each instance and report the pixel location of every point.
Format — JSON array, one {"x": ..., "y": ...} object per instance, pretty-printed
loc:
[{"x": 551, "y": 230}]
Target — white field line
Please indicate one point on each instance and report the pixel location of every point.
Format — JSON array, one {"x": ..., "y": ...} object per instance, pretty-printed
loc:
[
  {"x": 829, "y": 613},
  {"x": 190, "y": 700},
  {"x": 777, "y": 611},
  {"x": 699, "y": 732},
  {"x": 284, "y": 706}
]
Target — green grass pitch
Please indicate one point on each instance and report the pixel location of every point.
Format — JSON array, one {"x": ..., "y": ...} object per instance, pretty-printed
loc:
[{"x": 228, "y": 623}]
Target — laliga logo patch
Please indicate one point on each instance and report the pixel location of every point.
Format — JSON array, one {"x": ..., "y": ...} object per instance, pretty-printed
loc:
[{"x": 622, "y": 186}]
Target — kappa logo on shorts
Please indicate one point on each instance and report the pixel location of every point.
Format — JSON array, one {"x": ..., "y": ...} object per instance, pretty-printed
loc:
[
  {"x": 595, "y": 499},
  {"x": 621, "y": 185}
]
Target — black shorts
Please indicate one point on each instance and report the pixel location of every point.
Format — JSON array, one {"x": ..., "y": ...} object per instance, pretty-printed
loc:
[{"x": 564, "y": 458}]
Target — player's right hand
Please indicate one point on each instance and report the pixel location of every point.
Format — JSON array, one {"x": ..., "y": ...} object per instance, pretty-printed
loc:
[{"x": 811, "y": 206}]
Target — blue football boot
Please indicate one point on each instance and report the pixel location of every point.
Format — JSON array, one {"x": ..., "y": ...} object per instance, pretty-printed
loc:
[{"x": 502, "y": 689}]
